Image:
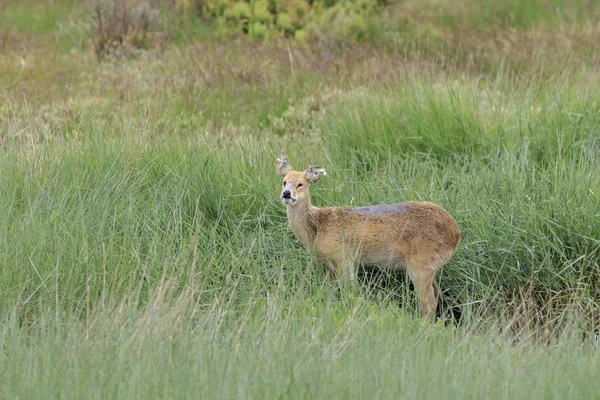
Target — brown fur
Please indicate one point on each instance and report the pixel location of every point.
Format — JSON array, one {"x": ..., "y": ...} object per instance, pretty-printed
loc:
[{"x": 418, "y": 236}]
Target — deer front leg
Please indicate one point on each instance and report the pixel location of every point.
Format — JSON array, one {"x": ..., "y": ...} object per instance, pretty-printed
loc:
[
  {"x": 344, "y": 270},
  {"x": 330, "y": 273}
]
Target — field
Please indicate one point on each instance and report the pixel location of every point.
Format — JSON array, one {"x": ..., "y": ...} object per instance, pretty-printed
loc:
[{"x": 144, "y": 251}]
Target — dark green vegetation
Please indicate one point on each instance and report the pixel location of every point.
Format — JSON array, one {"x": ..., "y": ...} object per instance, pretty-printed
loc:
[{"x": 144, "y": 251}]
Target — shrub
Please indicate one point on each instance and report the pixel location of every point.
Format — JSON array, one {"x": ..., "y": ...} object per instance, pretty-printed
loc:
[
  {"x": 300, "y": 19},
  {"x": 122, "y": 28}
]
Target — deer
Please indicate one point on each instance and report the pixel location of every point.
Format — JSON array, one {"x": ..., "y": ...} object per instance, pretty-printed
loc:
[{"x": 417, "y": 236}]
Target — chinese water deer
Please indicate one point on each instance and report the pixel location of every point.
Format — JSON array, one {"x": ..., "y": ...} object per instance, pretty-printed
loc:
[{"x": 418, "y": 236}]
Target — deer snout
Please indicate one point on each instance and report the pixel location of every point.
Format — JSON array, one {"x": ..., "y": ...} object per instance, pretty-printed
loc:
[{"x": 287, "y": 196}]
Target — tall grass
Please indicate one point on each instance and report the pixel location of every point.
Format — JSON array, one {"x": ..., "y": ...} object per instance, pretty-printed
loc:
[
  {"x": 277, "y": 348},
  {"x": 169, "y": 261},
  {"x": 470, "y": 119},
  {"x": 111, "y": 219}
]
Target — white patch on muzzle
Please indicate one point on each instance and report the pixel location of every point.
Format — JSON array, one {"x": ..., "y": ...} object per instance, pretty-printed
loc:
[{"x": 288, "y": 200}]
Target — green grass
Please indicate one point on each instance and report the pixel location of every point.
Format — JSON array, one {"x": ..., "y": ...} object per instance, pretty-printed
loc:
[
  {"x": 489, "y": 14},
  {"x": 145, "y": 253},
  {"x": 274, "y": 348}
]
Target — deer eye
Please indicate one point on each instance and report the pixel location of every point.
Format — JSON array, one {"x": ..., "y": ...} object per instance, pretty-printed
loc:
[
  {"x": 284, "y": 183},
  {"x": 298, "y": 185}
]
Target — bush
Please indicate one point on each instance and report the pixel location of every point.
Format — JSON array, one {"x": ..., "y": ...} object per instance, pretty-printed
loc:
[
  {"x": 300, "y": 19},
  {"x": 122, "y": 28}
]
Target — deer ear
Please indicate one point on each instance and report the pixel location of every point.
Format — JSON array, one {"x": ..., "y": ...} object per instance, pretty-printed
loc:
[
  {"x": 283, "y": 165},
  {"x": 313, "y": 174}
]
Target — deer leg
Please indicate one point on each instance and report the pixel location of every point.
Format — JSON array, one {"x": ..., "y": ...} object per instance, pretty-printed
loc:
[
  {"x": 427, "y": 290},
  {"x": 330, "y": 273},
  {"x": 345, "y": 271}
]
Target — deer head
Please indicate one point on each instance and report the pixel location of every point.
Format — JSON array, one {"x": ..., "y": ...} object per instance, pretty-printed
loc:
[{"x": 295, "y": 183}]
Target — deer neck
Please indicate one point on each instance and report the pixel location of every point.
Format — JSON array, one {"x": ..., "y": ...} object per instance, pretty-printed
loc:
[{"x": 302, "y": 219}]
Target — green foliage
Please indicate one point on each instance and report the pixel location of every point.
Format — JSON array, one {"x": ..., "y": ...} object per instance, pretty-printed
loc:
[{"x": 277, "y": 18}]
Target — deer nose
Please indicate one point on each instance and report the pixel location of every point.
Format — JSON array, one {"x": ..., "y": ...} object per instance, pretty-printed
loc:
[{"x": 286, "y": 194}]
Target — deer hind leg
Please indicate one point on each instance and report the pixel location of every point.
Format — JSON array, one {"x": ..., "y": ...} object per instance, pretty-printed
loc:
[{"x": 426, "y": 288}]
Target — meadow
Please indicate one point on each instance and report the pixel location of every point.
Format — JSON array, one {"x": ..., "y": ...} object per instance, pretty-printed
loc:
[{"x": 145, "y": 253}]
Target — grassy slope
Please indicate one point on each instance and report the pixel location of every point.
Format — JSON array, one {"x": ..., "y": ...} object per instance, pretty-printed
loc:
[{"x": 144, "y": 251}]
